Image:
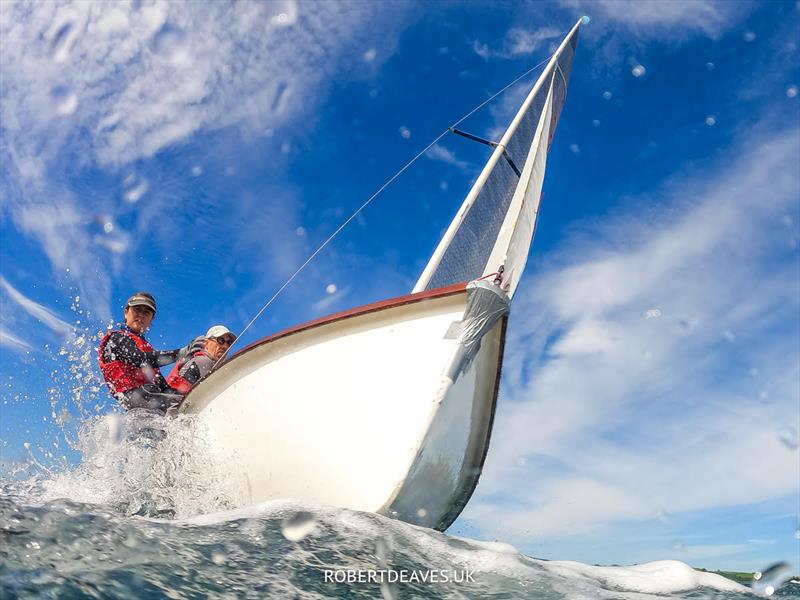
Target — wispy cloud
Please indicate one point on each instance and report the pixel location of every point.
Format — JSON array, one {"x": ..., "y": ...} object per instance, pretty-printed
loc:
[
  {"x": 9, "y": 340},
  {"x": 637, "y": 371},
  {"x": 97, "y": 88},
  {"x": 652, "y": 18},
  {"x": 442, "y": 154},
  {"x": 36, "y": 310},
  {"x": 520, "y": 42}
]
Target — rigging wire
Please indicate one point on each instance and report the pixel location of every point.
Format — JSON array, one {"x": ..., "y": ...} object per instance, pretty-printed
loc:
[{"x": 368, "y": 202}]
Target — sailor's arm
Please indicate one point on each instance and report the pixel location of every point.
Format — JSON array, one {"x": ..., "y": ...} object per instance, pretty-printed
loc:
[
  {"x": 196, "y": 368},
  {"x": 122, "y": 347}
]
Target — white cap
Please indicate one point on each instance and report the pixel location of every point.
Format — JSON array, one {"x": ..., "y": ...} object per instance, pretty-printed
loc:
[{"x": 218, "y": 331}]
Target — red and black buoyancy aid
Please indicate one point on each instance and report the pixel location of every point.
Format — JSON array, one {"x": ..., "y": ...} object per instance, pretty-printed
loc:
[
  {"x": 119, "y": 375},
  {"x": 176, "y": 381}
]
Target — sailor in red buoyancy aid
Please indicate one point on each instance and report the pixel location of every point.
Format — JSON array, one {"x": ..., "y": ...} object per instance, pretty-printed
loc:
[
  {"x": 130, "y": 365},
  {"x": 194, "y": 367}
]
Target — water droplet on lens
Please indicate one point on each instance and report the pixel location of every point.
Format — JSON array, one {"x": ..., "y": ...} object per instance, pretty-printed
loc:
[
  {"x": 638, "y": 71},
  {"x": 791, "y": 91},
  {"x": 170, "y": 43},
  {"x": 298, "y": 526},
  {"x": 788, "y": 437},
  {"x": 749, "y": 36},
  {"x": 575, "y": 149},
  {"x": 404, "y": 132},
  {"x": 710, "y": 66},
  {"x": 422, "y": 513},
  {"x": 218, "y": 558},
  {"x": 607, "y": 95},
  {"x": 65, "y": 100},
  {"x": 330, "y": 288},
  {"x": 585, "y": 19},
  {"x": 300, "y": 231},
  {"x": 728, "y": 335},
  {"x": 595, "y": 123},
  {"x": 370, "y": 55},
  {"x": 711, "y": 120},
  {"x": 63, "y": 41},
  {"x": 653, "y": 313},
  {"x": 197, "y": 170},
  {"x": 135, "y": 194},
  {"x": 772, "y": 578},
  {"x": 108, "y": 227},
  {"x": 283, "y": 12},
  {"x": 678, "y": 545}
]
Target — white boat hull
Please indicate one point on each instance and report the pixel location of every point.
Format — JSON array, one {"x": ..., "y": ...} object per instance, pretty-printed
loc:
[{"x": 355, "y": 410}]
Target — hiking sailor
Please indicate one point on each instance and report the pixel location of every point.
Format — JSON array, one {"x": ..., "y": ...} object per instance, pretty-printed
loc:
[
  {"x": 187, "y": 372},
  {"x": 130, "y": 365}
]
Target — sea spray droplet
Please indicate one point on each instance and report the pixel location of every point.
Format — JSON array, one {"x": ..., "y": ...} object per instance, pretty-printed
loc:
[
  {"x": 638, "y": 70},
  {"x": 771, "y": 578},
  {"x": 298, "y": 526},
  {"x": 115, "y": 428}
]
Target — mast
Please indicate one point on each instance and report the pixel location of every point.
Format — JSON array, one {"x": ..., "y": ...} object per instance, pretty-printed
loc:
[{"x": 498, "y": 216}]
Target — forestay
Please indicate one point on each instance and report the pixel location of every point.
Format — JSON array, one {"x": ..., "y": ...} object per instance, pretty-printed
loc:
[{"x": 495, "y": 225}]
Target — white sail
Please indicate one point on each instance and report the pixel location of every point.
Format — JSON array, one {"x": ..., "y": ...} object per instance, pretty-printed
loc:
[{"x": 470, "y": 248}]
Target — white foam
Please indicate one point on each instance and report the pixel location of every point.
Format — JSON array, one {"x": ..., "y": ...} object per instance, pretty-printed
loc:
[{"x": 659, "y": 577}]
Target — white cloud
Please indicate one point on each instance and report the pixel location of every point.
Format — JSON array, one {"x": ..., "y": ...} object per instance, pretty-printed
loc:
[
  {"x": 656, "y": 17},
  {"x": 145, "y": 78},
  {"x": 9, "y": 340},
  {"x": 608, "y": 416},
  {"x": 88, "y": 86},
  {"x": 521, "y": 42},
  {"x": 442, "y": 154},
  {"x": 36, "y": 310}
]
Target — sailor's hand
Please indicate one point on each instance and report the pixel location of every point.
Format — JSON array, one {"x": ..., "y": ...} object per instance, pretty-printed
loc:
[{"x": 197, "y": 344}]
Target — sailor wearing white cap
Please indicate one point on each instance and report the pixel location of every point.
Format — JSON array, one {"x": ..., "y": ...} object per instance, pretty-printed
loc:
[{"x": 186, "y": 373}]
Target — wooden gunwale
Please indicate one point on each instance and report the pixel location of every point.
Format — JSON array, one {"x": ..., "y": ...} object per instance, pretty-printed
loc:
[{"x": 354, "y": 312}]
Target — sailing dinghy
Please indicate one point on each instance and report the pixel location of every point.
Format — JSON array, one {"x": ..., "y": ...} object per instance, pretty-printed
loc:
[{"x": 388, "y": 407}]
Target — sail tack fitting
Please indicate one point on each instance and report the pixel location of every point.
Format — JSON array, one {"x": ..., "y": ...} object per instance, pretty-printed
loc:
[{"x": 487, "y": 303}]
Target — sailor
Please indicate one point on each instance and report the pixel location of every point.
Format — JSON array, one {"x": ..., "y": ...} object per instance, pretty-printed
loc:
[
  {"x": 189, "y": 371},
  {"x": 130, "y": 365}
]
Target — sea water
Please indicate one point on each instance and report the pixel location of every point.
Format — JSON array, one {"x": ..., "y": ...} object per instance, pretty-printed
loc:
[{"x": 145, "y": 515}]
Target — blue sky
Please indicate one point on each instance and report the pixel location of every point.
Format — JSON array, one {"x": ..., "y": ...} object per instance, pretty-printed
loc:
[{"x": 650, "y": 405}]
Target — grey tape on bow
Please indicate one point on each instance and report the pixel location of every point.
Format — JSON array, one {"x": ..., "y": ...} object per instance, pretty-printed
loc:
[{"x": 486, "y": 304}]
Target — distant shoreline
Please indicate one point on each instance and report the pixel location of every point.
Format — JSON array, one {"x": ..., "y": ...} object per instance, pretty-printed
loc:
[{"x": 740, "y": 576}]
